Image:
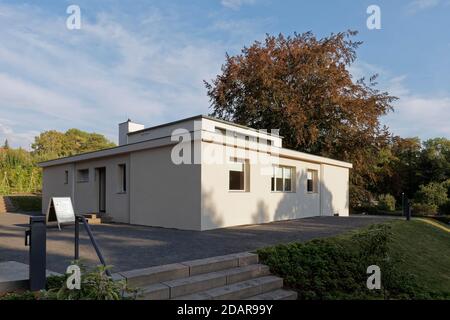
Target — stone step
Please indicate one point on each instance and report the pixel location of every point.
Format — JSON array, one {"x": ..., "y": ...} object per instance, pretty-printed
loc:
[
  {"x": 5, "y": 205},
  {"x": 143, "y": 277},
  {"x": 221, "y": 263},
  {"x": 148, "y": 276},
  {"x": 279, "y": 294},
  {"x": 190, "y": 285},
  {"x": 94, "y": 221},
  {"x": 90, "y": 215},
  {"x": 239, "y": 290}
]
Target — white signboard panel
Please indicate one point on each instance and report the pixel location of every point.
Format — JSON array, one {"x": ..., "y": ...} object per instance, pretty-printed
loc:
[{"x": 60, "y": 210}]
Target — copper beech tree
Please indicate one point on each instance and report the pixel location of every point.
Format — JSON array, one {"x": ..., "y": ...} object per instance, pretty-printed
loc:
[{"x": 302, "y": 85}]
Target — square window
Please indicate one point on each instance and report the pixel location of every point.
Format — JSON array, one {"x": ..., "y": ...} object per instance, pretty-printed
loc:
[
  {"x": 83, "y": 175},
  {"x": 237, "y": 175},
  {"x": 282, "y": 179}
]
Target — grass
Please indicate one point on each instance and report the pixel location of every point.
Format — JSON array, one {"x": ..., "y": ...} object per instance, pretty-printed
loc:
[
  {"x": 26, "y": 202},
  {"x": 425, "y": 251},
  {"x": 414, "y": 258}
]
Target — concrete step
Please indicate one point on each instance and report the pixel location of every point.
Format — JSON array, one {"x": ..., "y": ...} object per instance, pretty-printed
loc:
[
  {"x": 6, "y": 205},
  {"x": 202, "y": 282},
  {"x": 143, "y": 277},
  {"x": 221, "y": 263},
  {"x": 14, "y": 276},
  {"x": 148, "y": 276},
  {"x": 239, "y": 290},
  {"x": 94, "y": 221},
  {"x": 279, "y": 294},
  {"x": 90, "y": 215},
  {"x": 206, "y": 281}
]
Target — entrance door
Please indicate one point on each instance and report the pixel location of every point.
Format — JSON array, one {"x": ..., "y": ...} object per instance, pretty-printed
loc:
[{"x": 101, "y": 189}]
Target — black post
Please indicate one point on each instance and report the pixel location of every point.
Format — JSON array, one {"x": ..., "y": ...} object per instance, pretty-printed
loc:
[
  {"x": 408, "y": 210},
  {"x": 77, "y": 240},
  {"x": 38, "y": 253},
  {"x": 403, "y": 203}
]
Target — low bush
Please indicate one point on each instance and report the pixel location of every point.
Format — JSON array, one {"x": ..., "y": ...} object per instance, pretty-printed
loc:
[
  {"x": 386, "y": 202},
  {"x": 424, "y": 209},
  {"x": 335, "y": 268},
  {"x": 95, "y": 285}
]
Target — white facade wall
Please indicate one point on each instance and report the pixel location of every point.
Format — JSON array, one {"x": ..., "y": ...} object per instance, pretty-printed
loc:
[
  {"x": 84, "y": 195},
  {"x": 197, "y": 196}
]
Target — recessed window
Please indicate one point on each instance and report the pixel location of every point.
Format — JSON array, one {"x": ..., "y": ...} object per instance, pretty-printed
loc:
[
  {"x": 83, "y": 175},
  {"x": 237, "y": 174},
  {"x": 66, "y": 177},
  {"x": 282, "y": 179},
  {"x": 122, "y": 178},
  {"x": 311, "y": 184}
]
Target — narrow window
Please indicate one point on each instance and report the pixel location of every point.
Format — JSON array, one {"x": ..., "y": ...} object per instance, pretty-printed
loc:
[
  {"x": 287, "y": 177},
  {"x": 237, "y": 175},
  {"x": 66, "y": 177},
  {"x": 83, "y": 175},
  {"x": 311, "y": 185},
  {"x": 122, "y": 178},
  {"x": 282, "y": 179}
]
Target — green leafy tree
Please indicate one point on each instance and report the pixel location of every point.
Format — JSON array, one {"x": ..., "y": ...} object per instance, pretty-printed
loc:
[
  {"x": 434, "y": 193},
  {"x": 54, "y": 144}
]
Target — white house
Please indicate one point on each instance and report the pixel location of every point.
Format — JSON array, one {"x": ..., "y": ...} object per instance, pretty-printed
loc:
[{"x": 199, "y": 173}]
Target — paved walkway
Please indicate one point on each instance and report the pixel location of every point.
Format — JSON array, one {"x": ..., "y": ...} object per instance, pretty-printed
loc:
[{"x": 129, "y": 247}]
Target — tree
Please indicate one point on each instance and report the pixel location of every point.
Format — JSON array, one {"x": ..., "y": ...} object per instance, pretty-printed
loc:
[
  {"x": 6, "y": 144},
  {"x": 53, "y": 144},
  {"x": 435, "y": 160},
  {"x": 302, "y": 86}
]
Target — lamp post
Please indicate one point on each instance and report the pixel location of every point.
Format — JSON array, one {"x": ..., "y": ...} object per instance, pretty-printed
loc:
[{"x": 403, "y": 203}]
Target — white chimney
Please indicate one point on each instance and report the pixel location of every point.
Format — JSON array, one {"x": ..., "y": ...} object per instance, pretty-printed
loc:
[{"x": 127, "y": 127}]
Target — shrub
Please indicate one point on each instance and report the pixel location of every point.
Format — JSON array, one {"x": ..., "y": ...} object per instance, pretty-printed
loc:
[
  {"x": 424, "y": 209},
  {"x": 95, "y": 285},
  {"x": 386, "y": 202},
  {"x": 335, "y": 268},
  {"x": 433, "y": 193}
]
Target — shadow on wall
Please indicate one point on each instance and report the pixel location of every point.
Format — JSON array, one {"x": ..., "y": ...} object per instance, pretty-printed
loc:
[
  {"x": 211, "y": 218},
  {"x": 298, "y": 204},
  {"x": 262, "y": 213}
]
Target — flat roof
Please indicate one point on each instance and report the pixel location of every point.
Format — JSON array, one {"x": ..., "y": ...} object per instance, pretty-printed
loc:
[
  {"x": 164, "y": 141},
  {"x": 201, "y": 116}
]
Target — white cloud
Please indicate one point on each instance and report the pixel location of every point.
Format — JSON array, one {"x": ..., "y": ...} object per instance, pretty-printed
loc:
[
  {"x": 15, "y": 138},
  {"x": 420, "y": 5},
  {"x": 93, "y": 78},
  {"x": 236, "y": 4},
  {"x": 425, "y": 116}
]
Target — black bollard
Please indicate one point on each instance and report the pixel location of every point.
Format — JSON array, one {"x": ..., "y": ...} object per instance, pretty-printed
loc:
[{"x": 36, "y": 238}]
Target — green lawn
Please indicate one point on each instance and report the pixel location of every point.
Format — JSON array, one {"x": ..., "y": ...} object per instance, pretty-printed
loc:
[
  {"x": 414, "y": 258},
  {"x": 426, "y": 253}
]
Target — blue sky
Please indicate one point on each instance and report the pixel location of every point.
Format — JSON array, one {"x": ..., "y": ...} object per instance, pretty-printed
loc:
[{"x": 146, "y": 60}]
